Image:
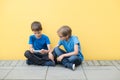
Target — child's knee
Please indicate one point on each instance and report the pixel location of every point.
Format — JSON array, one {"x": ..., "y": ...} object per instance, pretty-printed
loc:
[
  {"x": 73, "y": 58},
  {"x": 27, "y": 54},
  {"x": 56, "y": 49}
]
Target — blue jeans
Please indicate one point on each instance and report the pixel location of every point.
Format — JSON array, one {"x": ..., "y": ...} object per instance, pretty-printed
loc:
[{"x": 66, "y": 61}]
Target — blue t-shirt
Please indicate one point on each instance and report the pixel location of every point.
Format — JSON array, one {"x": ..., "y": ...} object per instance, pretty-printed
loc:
[
  {"x": 69, "y": 45},
  {"x": 39, "y": 43}
]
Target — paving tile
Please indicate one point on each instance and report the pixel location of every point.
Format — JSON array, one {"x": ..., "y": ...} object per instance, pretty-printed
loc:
[
  {"x": 4, "y": 71},
  {"x": 24, "y": 63},
  {"x": 96, "y": 63},
  {"x": 102, "y": 63},
  {"x": 29, "y": 72},
  {"x": 2, "y": 62},
  {"x": 117, "y": 64},
  {"x": 102, "y": 73},
  {"x": 6, "y": 68},
  {"x": 61, "y": 73},
  {"x": 108, "y": 63},
  {"x": 7, "y": 63},
  {"x": 84, "y": 63},
  {"x": 14, "y": 63},
  {"x": 90, "y": 63},
  {"x": 20, "y": 63},
  {"x": 118, "y": 61}
]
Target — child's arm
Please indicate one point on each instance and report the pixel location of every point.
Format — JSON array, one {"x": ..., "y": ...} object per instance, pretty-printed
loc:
[
  {"x": 50, "y": 55},
  {"x": 31, "y": 48},
  {"x": 49, "y": 48},
  {"x": 76, "y": 43},
  {"x": 75, "y": 52}
]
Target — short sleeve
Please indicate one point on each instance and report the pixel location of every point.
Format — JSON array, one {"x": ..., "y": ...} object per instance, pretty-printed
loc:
[
  {"x": 47, "y": 40},
  {"x": 30, "y": 40},
  {"x": 75, "y": 40},
  {"x": 59, "y": 42}
]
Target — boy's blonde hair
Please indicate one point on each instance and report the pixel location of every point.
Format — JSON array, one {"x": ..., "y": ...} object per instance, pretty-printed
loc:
[{"x": 65, "y": 31}]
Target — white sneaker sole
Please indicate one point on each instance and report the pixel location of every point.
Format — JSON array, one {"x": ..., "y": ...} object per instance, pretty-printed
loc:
[{"x": 73, "y": 67}]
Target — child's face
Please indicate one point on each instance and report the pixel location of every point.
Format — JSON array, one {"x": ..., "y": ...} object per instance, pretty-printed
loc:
[
  {"x": 61, "y": 36},
  {"x": 37, "y": 33}
]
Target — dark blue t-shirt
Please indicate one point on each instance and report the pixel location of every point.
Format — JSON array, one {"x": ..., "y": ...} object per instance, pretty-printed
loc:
[{"x": 39, "y": 43}]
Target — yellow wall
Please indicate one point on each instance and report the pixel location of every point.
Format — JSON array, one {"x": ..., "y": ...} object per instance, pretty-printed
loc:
[{"x": 95, "y": 22}]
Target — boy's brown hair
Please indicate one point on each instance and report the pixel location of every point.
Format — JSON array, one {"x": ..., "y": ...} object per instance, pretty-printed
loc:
[
  {"x": 36, "y": 26},
  {"x": 65, "y": 31}
]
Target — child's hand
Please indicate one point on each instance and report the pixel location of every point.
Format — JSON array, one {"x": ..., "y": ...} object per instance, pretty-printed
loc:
[
  {"x": 42, "y": 51},
  {"x": 46, "y": 51},
  {"x": 50, "y": 55},
  {"x": 60, "y": 58}
]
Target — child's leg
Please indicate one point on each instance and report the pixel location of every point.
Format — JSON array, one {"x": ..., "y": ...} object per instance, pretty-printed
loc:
[
  {"x": 65, "y": 62},
  {"x": 57, "y": 52},
  {"x": 48, "y": 63},
  {"x": 29, "y": 62},
  {"x": 33, "y": 58},
  {"x": 42, "y": 56},
  {"x": 75, "y": 60}
]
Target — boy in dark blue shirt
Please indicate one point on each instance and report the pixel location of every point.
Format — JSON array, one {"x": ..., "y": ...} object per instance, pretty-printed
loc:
[{"x": 39, "y": 47}]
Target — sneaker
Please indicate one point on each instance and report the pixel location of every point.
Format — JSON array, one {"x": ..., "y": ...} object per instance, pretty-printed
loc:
[{"x": 73, "y": 67}]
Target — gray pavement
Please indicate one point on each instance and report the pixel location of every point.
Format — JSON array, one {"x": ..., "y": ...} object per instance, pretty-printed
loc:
[{"x": 89, "y": 70}]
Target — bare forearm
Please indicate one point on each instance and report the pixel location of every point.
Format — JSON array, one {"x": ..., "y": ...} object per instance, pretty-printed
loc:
[
  {"x": 51, "y": 50},
  {"x": 30, "y": 46},
  {"x": 75, "y": 52},
  {"x": 70, "y": 54}
]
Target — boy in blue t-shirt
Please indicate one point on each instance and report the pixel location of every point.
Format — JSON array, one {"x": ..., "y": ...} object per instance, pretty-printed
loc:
[
  {"x": 39, "y": 47},
  {"x": 72, "y": 57}
]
